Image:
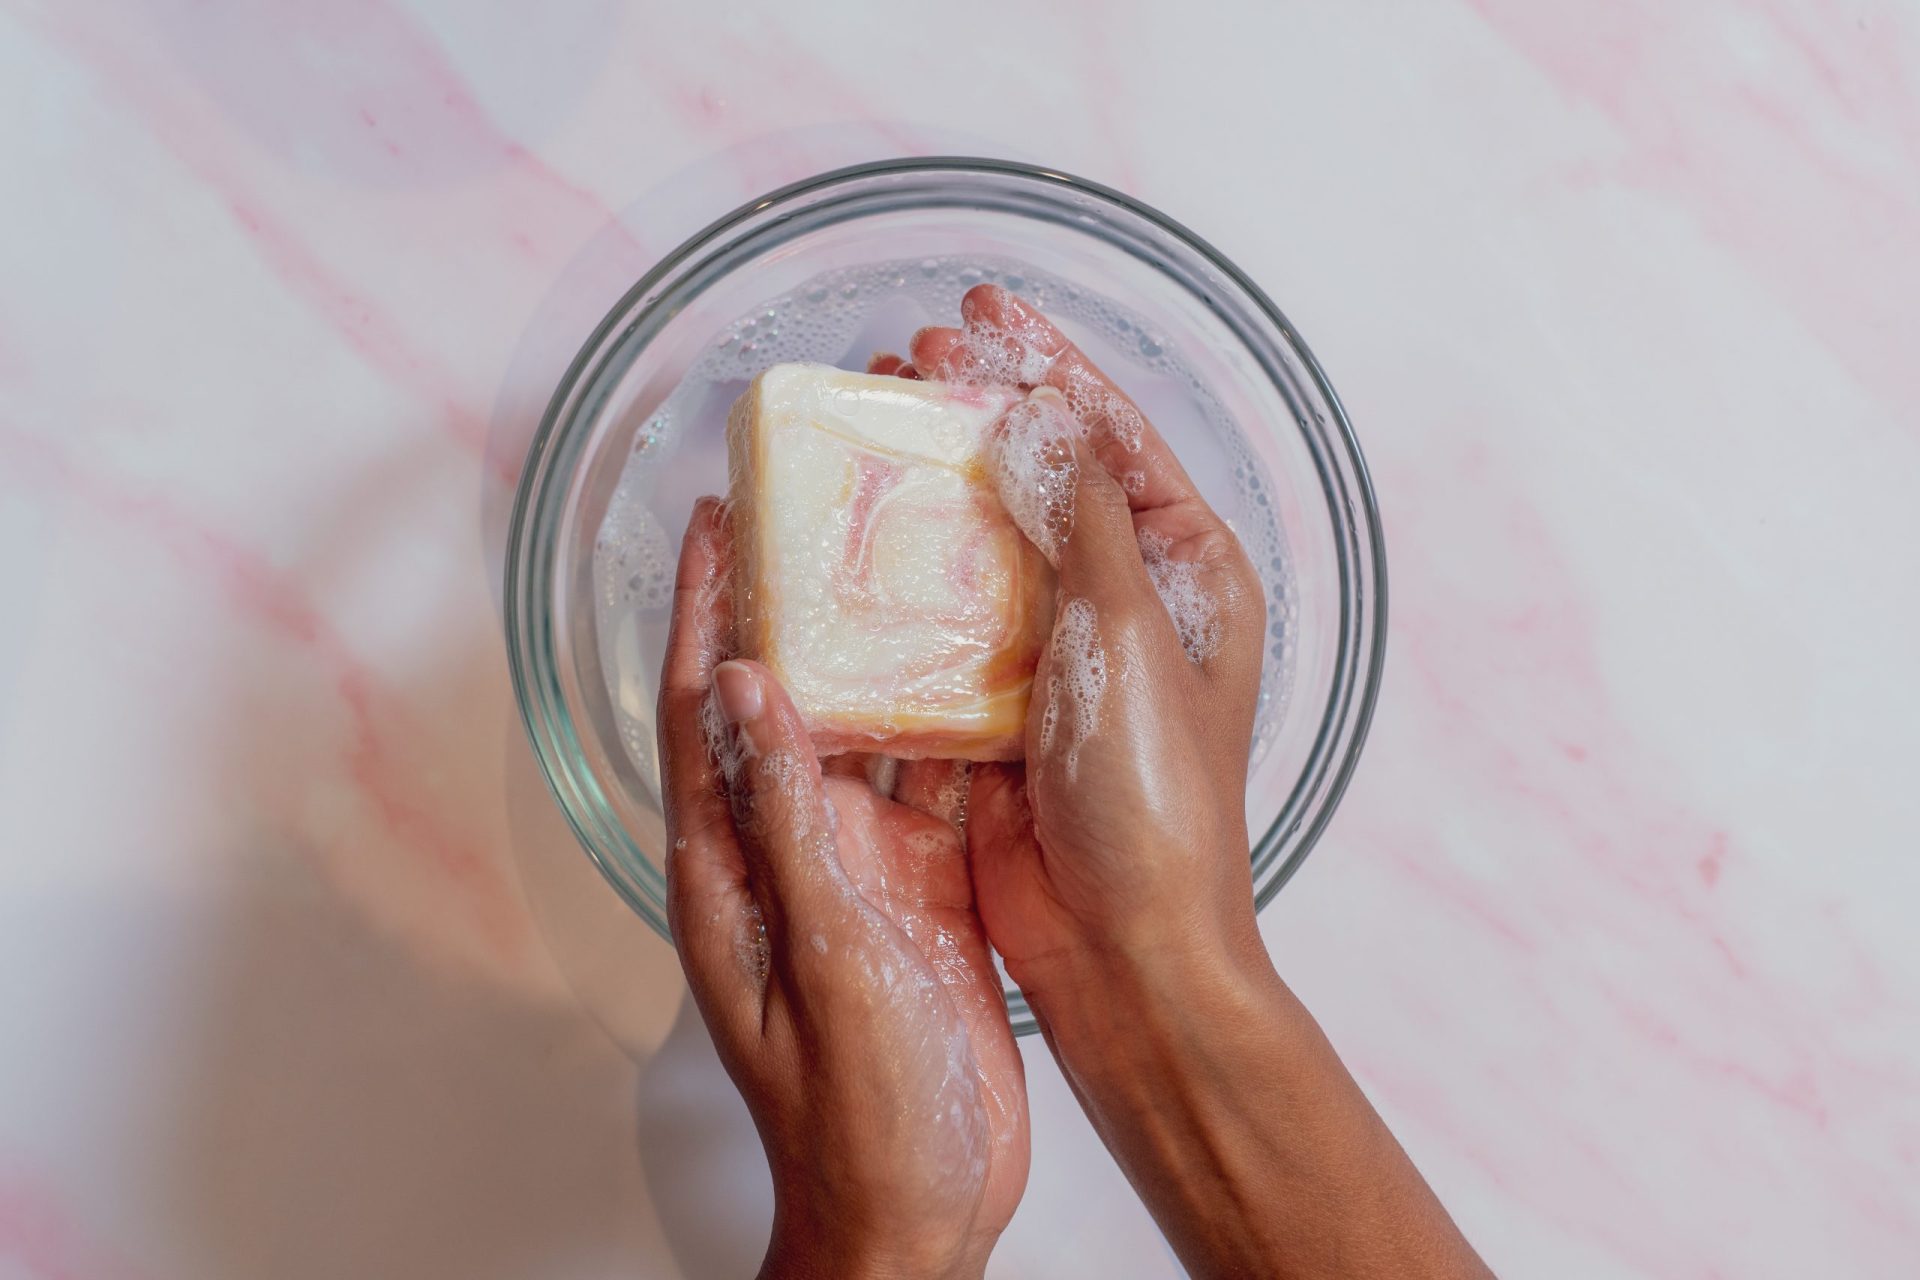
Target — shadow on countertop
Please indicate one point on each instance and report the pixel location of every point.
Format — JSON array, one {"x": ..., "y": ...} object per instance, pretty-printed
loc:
[{"x": 391, "y": 1078}]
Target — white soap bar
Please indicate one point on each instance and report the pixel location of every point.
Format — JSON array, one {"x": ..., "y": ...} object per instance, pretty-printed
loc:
[{"x": 877, "y": 573}]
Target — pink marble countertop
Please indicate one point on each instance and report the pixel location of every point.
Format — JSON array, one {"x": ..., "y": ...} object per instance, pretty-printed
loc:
[{"x": 299, "y": 976}]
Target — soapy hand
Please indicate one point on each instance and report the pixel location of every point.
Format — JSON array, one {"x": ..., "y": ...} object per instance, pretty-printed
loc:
[
  {"x": 1122, "y": 838},
  {"x": 829, "y": 935}
]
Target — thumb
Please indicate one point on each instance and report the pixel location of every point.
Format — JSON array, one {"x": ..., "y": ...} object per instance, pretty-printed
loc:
[
  {"x": 779, "y": 803},
  {"x": 1067, "y": 503}
]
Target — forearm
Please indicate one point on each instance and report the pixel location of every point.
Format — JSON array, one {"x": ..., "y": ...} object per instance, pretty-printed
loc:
[
  {"x": 820, "y": 1232},
  {"x": 1252, "y": 1146},
  {"x": 808, "y": 1253}
]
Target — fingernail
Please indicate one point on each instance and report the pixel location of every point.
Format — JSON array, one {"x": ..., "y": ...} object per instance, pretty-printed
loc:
[{"x": 738, "y": 690}]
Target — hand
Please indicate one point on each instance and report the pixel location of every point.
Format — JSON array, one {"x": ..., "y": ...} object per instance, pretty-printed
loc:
[
  {"x": 1123, "y": 838},
  {"x": 830, "y": 939},
  {"x": 1112, "y": 870}
]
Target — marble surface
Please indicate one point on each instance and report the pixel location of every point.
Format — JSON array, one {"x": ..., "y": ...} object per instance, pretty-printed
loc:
[{"x": 299, "y": 977}]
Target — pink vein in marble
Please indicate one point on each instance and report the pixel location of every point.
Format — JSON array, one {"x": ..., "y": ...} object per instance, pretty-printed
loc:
[
  {"x": 374, "y": 757},
  {"x": 1596, "y": 905},
  {"x": 394, "y": 121},
  {"x": 1707, "y": 131}
]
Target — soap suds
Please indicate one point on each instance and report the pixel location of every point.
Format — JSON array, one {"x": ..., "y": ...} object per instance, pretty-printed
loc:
[
  {"x": 1023, "y": 353},
  {"x": 1080, "y": 672},
  {"x": 829, "y": 319},
  {"x": 950, "y": 801},
  {"x": 728, "y": 751},
  {"x": 931, "y": 845},
  {"x": 1191, "y": 607},
  {"x": 1034, "y": 471},
  {"x": 750, "y": 945},
  {"x": 1005, "y": 355},
  {"x": 906, "y": 992}
]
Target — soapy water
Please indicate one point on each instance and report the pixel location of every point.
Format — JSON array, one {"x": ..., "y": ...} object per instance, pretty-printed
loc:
[
  {"x": 1080, "y": 671},
  {"x": 841, "y": 318}
]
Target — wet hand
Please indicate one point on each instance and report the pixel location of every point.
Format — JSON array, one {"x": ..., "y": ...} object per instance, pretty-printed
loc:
[
  {"x": 1122, "y": 839},
  {"x": 829, "y": 936}
]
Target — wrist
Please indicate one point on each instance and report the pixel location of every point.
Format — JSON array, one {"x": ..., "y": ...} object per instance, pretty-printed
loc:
[
  {"x": 1166, "y": 975},
  {"x": 802, "y": 1248},
  {"x": 1134, "y": 1030}
]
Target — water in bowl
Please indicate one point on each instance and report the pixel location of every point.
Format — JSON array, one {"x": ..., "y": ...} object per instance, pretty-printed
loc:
[{"x": 841, "y": 318}]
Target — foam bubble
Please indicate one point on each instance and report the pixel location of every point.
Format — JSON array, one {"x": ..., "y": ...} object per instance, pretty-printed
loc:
[
  {"x": 785, "y": 770},
  {"x": 929, "y": 844},
  {"x": 1194, "y": 611},
  {"x": 1034, "y": 471},
  {"x": 634, "y": 559},
  {"x": 950, "y": 801},
  {"x": 1025, "y": 351},
  {"x": 1006, "y": 355},
  {"x": 728, "y": 750},
  {"x": 1079, "y": 671},
  {"x": 750, "y": 947}
]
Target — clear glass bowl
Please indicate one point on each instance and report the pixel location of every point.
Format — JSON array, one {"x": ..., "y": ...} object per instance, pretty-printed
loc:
[{"x": 1334, "y": 610}]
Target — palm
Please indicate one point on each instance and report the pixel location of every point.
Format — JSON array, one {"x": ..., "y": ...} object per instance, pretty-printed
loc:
[{"x": 910, "y": 865}]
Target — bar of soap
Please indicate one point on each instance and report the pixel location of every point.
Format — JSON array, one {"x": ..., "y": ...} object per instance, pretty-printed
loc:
[{"x": 877, "y": 573}]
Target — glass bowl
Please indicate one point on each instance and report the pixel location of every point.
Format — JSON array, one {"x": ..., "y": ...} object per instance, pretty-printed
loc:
[{"x": 587, "y": 692}]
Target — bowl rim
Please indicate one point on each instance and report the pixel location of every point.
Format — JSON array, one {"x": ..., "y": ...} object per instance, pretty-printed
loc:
[{"x": 1352, "y": 700}]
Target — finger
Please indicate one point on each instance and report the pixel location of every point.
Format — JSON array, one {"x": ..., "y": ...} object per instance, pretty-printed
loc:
[
  {"x": 779, "y": 804},
  {"x": 1097, "y": 554},
  {"x": 923, "y": 864},
  {"x": 1002, "y": 849},
  {"x": 941, "y": 351},
  {"x": 850, "y": 764},
  {"x": 697, "y": 640},
  {"x": 1125, "y": 442},
  {"x": 880, "y": 772},
  {"x": 1211, "y": 594},
  {"x": 710, "y": 913},
  {"x": 937, "y": 788},
  {"x": 884, "y": 363},
  {"x": 1194, "y": 560}
]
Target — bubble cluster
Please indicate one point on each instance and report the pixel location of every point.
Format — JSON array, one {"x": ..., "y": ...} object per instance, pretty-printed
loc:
[
  {"x": 633, "y": 558},
  {"x": 728, "y": 750},
  {"x": 750, "y": 947},
  {"x": 1194, "y": 611},
  {"x": 823, "y": 320},
  {"x": 950, "y": 801},
  {"x": 1079, "y": 671},
  {"x": 1019, "y": 349},
  {"x": 1006, "y": 353},
  {"x": 1034, "y": 471},
  {"x": 930, "y": 844}
]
